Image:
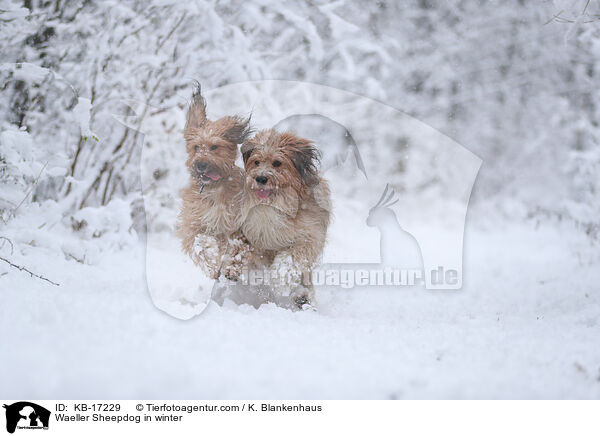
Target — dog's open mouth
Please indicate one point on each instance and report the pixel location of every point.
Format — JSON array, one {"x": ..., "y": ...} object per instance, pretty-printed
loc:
[
  {"x": 263, "y": 194},
  {"x": 209, "y": 176}
]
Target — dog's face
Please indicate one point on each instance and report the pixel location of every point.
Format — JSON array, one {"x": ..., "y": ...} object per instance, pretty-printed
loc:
[
  {"x": 277, "y": 163},
  {"x": 211, "y": 154},
  {"x": 212, "y": 145}
]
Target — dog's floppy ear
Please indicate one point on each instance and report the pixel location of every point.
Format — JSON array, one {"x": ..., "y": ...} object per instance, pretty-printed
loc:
[
  {"x": 196, "y": 116},
  {"x": 305, "y": 157},
  {"x": 236, "y": 129}
]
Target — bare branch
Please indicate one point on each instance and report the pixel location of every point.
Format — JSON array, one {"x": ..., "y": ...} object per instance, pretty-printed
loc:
[
  {"x": 12, "y": 247},
  {"x": 161, "y": 43},
  {"x": 31, "y": 189},
  {"x": 32, "y": 274}
]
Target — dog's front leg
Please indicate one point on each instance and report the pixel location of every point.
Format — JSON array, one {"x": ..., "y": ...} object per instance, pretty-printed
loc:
[
  {"x": 292, "y": 277},
  {"x": 207, "y": 255},
  {"x": 236, "y": 257}
]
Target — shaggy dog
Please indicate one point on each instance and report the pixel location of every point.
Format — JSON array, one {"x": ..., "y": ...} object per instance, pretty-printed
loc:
[
  {"x": 285, "y": 207},
  {"x": 209, "y": 219}
]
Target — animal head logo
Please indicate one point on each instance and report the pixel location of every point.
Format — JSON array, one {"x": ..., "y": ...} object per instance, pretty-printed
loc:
[{"x": 24, "y": 414}]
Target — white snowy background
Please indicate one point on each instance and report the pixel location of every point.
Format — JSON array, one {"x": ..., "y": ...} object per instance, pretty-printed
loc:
[{"x": 516, "y": 83}]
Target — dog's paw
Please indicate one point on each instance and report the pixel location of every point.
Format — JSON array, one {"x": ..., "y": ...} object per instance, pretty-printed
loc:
[
  {"x": 303, "y": 298},
  {"x": 302, "y": 302},
  {"x": 232, "y": 272}
]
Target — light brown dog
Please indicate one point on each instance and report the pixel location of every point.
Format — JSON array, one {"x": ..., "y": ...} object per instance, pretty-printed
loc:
[
  {"x": 286, "y": 205},
  {"x": 209, "y": 220}
]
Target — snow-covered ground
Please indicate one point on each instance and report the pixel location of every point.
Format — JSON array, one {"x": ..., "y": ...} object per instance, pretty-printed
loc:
[{"x": 525, "y": 325}]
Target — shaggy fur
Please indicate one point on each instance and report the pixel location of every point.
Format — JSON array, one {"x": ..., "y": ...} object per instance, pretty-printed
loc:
[
  {"x": 209, "y": 219},
  {"x": 286, "y": 205}
]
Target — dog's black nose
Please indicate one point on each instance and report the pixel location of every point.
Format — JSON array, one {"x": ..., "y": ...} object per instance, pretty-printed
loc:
[
  {"x": 262, "y": 180},
  {"x": 201, "y": 166}
]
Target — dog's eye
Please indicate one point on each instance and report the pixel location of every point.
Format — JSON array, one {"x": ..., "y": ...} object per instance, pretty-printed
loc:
[
  {"x": 196, "y": 147},
  {"x": 257, "y": 163},
  {"x": 214, "y": 147},
  {"x": 276, "y": 163}
]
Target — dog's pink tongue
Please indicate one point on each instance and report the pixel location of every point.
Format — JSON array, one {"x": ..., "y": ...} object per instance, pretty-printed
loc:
[
  {"x": 213, "y": 175},
  {"x": 262, "y": 194}
]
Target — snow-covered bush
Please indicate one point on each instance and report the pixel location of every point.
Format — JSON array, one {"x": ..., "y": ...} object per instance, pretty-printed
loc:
[
  {"x": 514, "y": 82},
  {"x": 23, "y": 167}
]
